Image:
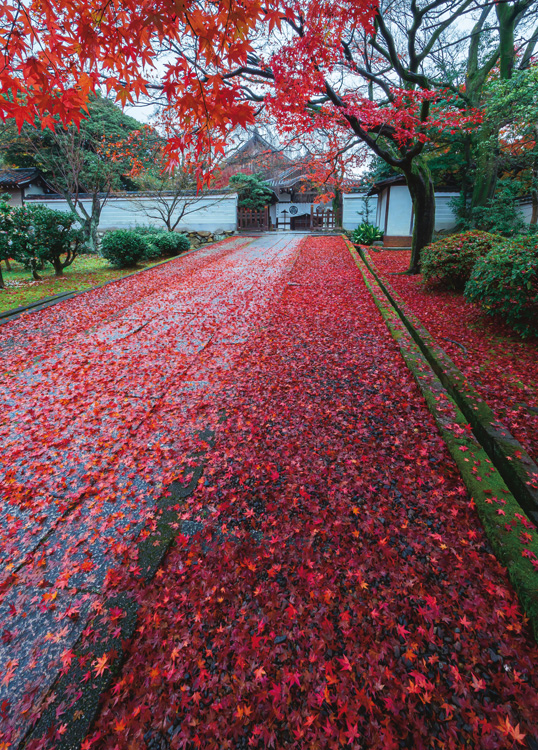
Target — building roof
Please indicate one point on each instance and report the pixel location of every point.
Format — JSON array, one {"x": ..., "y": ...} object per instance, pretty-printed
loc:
[
  {"x": 378, "y": 187},
  {"x": 134, "y": 194},
  {"x": 256, "y": 144},
  {"x": 288, "y": 177},
  {"x": 14, "y": 177}
]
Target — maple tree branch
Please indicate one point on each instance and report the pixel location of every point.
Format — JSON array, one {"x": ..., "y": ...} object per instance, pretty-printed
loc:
[
  {"x": 442, "y": 27},
  {"x": 359, "y": 130},
  {"x": 267, "y": 74}
]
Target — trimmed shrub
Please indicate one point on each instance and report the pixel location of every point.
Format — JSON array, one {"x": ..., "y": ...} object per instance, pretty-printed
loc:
[
  {"x": 149, "y": 230},
  {"x": 39, "y": 235},
  {"x": 169, "y": 243},
  {"x": 152, "y": 251},
  {"x": 123, "y": 248},
  {"x": 56, "y": 240},
  {"x": 448, "y": 262},
  {"x": 505, "y": 283}
]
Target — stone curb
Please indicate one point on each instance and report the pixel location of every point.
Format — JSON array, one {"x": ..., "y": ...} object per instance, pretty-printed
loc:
[
  {"x": 502, "y": 517},
  {"x": 517, "y": 468}
]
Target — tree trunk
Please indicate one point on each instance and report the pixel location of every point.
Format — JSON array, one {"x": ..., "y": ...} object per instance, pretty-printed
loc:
[
  {"x": 91, "y": 234},
  {"x": 2, "y": 285},
  {"x": 89, "y": 222},
  {"x": 534, "y": 190},
  {"x": 33, "y": 266},
  {"x": 506, "y": 16},
  {"x": 8, "y": 264},
  {"x": 488, "y": 135},
  {"x": 337, "y": 203},
  {"x": 58, "y": 267},
  {"x": 487, "y": 160},
  {"x": 420, "y": 186}
]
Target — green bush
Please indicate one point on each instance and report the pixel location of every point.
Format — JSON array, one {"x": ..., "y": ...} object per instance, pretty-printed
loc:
[
  {"x": 448, "y": 262},
  {"x": 150, "y": 230},
  {"x": 152, "y": 251},
  {"x": 124, "y": 248},
  {"x": 169, "y": 243},
  {"x": 253, "y": 192},
  {"x": 366, "y": 234},
  {"x": 56, "y": 239},
  {"x": 40, "y": 235},
  {"x": 505, "y": 283}
]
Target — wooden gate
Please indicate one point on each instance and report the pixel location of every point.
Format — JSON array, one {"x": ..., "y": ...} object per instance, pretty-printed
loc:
[
  {"x": 250, "y": 219},
  {"x": 326, "y": 219}
]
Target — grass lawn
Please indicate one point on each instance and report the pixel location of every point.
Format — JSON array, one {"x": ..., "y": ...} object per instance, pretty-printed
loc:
[{"x": 86, "y": 271}]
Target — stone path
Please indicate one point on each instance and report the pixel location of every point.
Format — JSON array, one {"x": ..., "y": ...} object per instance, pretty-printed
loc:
[
  {"x": 93, "y": 390},
  {"x": 341, "y": 591}
]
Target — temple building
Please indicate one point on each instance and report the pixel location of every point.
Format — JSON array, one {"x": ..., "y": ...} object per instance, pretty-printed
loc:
[{"x": 293, "y": 206}]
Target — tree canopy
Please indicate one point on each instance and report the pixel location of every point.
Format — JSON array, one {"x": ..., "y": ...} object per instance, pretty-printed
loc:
[{"x": 336, "y": 76}]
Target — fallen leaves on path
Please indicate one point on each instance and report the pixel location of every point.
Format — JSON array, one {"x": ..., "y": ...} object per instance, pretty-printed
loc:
[{"x": 341, "y": 591}]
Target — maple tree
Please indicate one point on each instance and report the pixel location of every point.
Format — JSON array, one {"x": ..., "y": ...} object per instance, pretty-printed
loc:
[
  {"x": 327, "y": 68},
  {"x": 55, "y": 55},
  {"x": 320, "y": 67}
]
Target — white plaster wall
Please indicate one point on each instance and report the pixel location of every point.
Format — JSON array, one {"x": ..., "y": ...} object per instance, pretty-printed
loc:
[
  {"x": 123, "y": 213},
  {"x": 445, "y": 218},
  {"x": 302, "y": 208},
  {"x": 352, "y": 208},
  {"x": 33, "y": 189},
  {"x": 400, "y": 209},
  {"x": 526, "y": 211},
  {"x": 381, "y": 210}
]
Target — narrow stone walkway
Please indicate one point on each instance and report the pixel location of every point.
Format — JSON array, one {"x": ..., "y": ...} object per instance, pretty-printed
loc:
[{"x": 331, "y": 585}]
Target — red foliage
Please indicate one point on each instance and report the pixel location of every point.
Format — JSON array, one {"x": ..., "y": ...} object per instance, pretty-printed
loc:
[
  {"x": 213, "y": 66},
  {"x": 500, "y": 365},
  {"x": 341, "y": 591},
  {"x": 54, "y": 54},
  {"x": 88, "y": 387}
]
